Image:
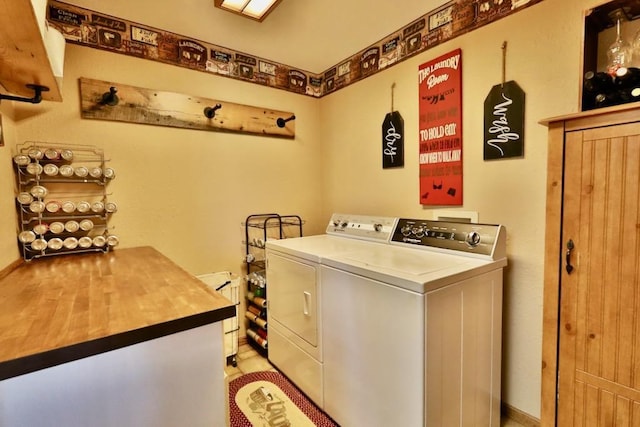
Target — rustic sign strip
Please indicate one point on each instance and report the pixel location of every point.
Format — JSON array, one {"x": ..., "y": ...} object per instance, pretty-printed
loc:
[
  {"x": 97, "y": 30},
  {"x": 148, "y": 106},
  {"x": 393, "y": 140},
  {"x": 440, "y": 133},
  {"x": 504, "y": 121}
]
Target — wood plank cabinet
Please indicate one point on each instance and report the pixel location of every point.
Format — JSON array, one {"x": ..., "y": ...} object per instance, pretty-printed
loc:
[
  {"x": 24, "y": 57},
  {"x": 591, "y": 337}
]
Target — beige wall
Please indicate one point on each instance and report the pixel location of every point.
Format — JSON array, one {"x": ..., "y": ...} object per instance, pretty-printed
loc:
[
  {"x": 543, "y": 56},
  {"x": 186, "y": 192},
  {"x": 8, "y": 218}
]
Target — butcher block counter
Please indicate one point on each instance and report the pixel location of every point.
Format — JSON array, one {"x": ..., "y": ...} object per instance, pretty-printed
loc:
[{"x": 133, "y": 308}]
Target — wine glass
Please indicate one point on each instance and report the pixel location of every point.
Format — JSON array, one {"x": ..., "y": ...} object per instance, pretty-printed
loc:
[
  {"x": 620, "y": 52},
  {"x": 635, "y": 45}
]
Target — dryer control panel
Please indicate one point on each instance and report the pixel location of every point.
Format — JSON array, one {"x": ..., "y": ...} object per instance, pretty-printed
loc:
[
  {"x": 481, "y": 239},
  {"x": 375, "y": 228}
]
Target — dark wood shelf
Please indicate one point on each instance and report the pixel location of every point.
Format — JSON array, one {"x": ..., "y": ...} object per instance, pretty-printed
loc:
[{"x": 24, "y": 57}]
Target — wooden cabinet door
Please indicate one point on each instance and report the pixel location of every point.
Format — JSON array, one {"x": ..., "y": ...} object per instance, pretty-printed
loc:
[{"x": 599, "y": 327}]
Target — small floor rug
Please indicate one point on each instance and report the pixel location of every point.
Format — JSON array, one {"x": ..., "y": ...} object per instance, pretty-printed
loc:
[{"x": 268, "y": 399}]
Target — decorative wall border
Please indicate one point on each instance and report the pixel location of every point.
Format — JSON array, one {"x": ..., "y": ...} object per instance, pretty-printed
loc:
[{"x": 97, "y": 30}]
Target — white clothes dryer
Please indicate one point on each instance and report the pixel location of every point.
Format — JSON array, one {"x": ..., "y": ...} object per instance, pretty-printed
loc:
[{"x": 295, "y": 289}]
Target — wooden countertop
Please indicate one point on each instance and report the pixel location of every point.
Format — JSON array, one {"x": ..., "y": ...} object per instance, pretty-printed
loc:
[{"x": 64, "y": 308}]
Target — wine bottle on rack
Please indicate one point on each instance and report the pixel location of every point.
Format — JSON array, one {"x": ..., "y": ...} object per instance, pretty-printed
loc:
[
  {"x": 629, "y": 94},
  {"x": 627, "y": 77},
  {"x": 596, "y": 86},
  {"x": 596, "y": 82},
  {"x": 606, "y": 99}
]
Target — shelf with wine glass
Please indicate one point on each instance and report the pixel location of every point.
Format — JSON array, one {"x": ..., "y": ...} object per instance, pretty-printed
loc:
[{"x": 611, "y": 55}]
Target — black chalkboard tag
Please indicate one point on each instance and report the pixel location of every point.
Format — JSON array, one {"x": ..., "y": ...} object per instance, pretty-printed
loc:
[
  {"x": 393, "y": 140},
  {"x": 504, "y": 121}
]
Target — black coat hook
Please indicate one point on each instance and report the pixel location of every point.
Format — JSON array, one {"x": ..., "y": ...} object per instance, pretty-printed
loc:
[
  {"x": 281, "y": 122},
  {"x": 37, "y": 96},
  {"x": 210, "y": 112},
  {"x": 110, "y": 98}
]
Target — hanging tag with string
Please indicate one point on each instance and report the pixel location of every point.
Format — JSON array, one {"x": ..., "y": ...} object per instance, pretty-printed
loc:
[
  {"x": 392, "y": 137},
  {"x": 504, "y": 118}
]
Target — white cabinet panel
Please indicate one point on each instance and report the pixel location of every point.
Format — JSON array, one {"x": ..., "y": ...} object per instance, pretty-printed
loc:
[
  {"x": 373, "y": 338},
  {"x": 293, "y": 302}
]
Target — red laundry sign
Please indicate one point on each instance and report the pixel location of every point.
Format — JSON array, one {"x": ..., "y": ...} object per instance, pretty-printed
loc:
[{"x": 440, "y": 103}]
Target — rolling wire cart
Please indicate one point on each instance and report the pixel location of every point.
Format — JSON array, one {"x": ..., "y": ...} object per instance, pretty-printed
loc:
[
  {"x": 228, "y": 285},
  {"x": 258, "y": 229}
]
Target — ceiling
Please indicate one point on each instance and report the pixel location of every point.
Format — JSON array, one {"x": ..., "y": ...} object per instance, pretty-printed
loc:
[{"x": 311, "y": 35}]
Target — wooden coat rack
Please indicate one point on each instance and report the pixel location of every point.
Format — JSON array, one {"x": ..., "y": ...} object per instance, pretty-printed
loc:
[{"x": 103, "y": 100}]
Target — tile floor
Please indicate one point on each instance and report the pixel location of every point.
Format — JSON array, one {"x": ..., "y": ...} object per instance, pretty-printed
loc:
[{"x": 249, "y": 360}]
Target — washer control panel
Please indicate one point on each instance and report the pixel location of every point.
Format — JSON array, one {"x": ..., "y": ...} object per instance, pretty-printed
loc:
[
  {"x": 376, "y": 228},
  {"x": 480, "y": 239}
]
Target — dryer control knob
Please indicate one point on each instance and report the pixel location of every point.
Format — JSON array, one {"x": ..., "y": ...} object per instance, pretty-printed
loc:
[
  {"x": 418, "y": 231},
  {"x": 344, "y": 224},
  {"x": 473, "y": 238},
  {"x": 377, "y": 227}
]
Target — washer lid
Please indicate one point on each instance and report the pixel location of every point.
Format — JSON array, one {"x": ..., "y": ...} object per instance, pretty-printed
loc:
[{"x": 412, "y": 269}]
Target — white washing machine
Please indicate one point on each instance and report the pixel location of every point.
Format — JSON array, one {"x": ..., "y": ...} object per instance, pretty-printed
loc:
[
  {"x": 295, "y": 289},
  {"x": 409, "y": 327}
]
